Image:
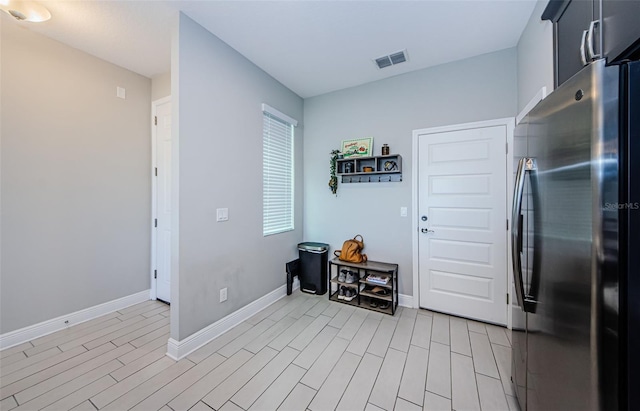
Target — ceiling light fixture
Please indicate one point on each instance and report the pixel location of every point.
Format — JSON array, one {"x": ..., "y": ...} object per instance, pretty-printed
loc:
[{"x": 23, "y": 10}]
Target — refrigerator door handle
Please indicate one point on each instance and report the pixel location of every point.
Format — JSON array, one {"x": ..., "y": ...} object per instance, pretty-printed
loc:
[
  {"x": 525, "y": 165},
  {"x": 583, "y": 51}
]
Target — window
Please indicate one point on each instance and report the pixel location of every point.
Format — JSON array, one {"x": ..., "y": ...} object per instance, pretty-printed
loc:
[{"x": 277, "y": 171}]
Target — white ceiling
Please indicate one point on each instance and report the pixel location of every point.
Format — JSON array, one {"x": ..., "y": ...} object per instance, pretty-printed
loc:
[{"x": 312, "y": 47}]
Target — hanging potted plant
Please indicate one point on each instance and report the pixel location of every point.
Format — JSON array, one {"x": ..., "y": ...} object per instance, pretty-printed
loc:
[{"x": 333, "y": 163}]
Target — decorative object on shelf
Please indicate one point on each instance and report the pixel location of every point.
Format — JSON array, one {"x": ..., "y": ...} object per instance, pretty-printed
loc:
[
  {"x": 367, "y": 169},
  {"x": 390, "y": 166},
  {"x": 385, "y": 149},
  {"x": 352, "y": 251},
  {"x": 360, "y": 147},
  {"x": 333, "y": 179}
]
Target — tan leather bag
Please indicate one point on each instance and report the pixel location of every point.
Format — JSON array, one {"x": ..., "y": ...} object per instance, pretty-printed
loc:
[{"x": 352, "y": 251}]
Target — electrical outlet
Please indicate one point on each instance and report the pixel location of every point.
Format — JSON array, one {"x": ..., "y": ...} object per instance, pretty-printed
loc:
[
  {"x": 121, "y": 92},
  {"x": 403, "y": 211},
  {"x": 222, "y": 214},
  {"x": 223, "y": 294}
]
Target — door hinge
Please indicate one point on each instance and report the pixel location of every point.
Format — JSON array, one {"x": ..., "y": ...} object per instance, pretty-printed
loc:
[
  {"x": 155, "y": 120},
  {"x": 506, "y": 147},
  {"x": 156, "y": 171},
  {"x": 155, "y": 273},
  {"x": 507, "y": 298},
  {"x": 155, "y": 223},
  {"x": 507, "y": 224}
]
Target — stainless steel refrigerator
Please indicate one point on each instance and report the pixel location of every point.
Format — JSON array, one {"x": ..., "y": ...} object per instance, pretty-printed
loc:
[{"x": 575, "y": 245}]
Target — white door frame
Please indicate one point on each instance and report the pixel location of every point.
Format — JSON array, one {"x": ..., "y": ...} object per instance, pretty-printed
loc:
[
  {"x": 509, "y": 123},
  {"x": 154, "y": 192}
]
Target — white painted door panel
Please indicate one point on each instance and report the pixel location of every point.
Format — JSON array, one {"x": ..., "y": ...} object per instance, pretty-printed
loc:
[
  {"x": 163, "y": 202},
  {"x": 463, "y": 243}
]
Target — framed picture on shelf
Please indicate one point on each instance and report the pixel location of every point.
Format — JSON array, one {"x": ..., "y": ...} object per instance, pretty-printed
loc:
[{"x": 359, "y": 147}]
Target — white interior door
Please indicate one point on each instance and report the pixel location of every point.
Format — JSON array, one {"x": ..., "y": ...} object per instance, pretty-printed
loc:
[
  {"x": 462, "y": 206},
  {"x": 163, "y": 200}
]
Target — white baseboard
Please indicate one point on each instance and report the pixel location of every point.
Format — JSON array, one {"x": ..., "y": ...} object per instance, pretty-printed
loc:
[
  {"x": 405, "y": 300},
  {"x": 180, "y": 349},
  {"x": 56, "y": 324}
]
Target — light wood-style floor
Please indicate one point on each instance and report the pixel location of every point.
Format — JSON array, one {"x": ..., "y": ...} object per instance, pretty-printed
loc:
[{"x": 303, "y": 352}]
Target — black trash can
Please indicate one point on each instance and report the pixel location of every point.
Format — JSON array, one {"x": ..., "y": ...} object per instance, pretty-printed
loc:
[{"x": 313, "y": 267}]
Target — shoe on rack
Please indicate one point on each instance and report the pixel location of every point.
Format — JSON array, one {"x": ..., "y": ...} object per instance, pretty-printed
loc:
[
  {"x": 352, "y": 277},
  {"x": 342, "y": 275},
  {"x": 384, "y": 305},
  {"x": 341, "y": 293},
  {"x": 349, "y": 294},
  {"x": 373, "y": 303}
]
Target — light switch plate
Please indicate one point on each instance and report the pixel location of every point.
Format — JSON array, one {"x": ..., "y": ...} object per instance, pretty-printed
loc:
[
  {"x": 403, "y": 211},
  {"x": 222, "y": 214},
  {"x": 121, "y": 92}
]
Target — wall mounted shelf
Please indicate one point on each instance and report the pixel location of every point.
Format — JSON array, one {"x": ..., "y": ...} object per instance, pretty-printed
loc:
[{"x": 375, "y": 169}]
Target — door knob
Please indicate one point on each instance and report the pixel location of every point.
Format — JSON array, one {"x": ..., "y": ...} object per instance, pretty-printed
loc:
[{"x": 426, "y": 230}]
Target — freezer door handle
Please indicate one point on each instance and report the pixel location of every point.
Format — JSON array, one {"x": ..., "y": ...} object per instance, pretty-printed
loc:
[{"x": 525, "y": 165}]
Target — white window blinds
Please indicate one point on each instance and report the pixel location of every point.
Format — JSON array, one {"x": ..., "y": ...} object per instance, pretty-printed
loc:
[{"x": 277, "y": 172}]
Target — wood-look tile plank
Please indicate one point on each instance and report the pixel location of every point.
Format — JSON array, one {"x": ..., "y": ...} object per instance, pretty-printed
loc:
[
  {"x": 491, "y": 394},
  {"x": 288, "y": 308},
  {"x": 41, "y": 365},
  {"x": 85, "y": 406},
  {"x": 422, "y": 331},
  {"x": 353, "y": 324},
  {"x": 319, "y": 371},
  {"x": 359, "y": 389},
  {"x": 409, "y": 313},
  {"x": 332, "y": 309},
  {"x": 121, "y": 388},
  {"x": 343, "y": 315},
  {"x": 424, "y": 311},
  {"x": 476, "y": 327},
  {"x": 10, "y": 359},
  {"x": 299, "y": 399},
  {"x": 148, "y": 325},
  {"x": 147, "y": 338},
  {"x": 459, "y": 336},
  {"x": 139, "y": 312},
  {"x": 331, "y": 391},
  {"x": 440, "y": 328},
  {"x": 75, "y": 330},
  {"x": 414, "y": 377},
  {"x": 82, "y": 395},
  {"x": 309, "y": 333},
  {"x": 157, "y": 311},
  {"x": 229, "y": 406},
  {"x": 502, "y": 355},
  {"x": 48, "y": 397},
  {"x": 256, "y": 318},
  {"x": 290, "y": 333},
  {"x": 304, "y": 307},
  {"x": 386, "y": 387},
  {"x": 181, "y": 383},
  {"x": 403, "y": 332},
  {"x": 139, "y": 364},
  {"x": 227, "y": 389},
  {"x": 512, "y": 402},
  {"x": 241, "y": 341},
  {"x": 15, "y": 349},
  {"x": 371, "y": 407},
  {"x": 403, "y": 405},
  {"x": 483, "y": 359},
  {"x": 498, "y": 335},
  {"x": 381, "y": 339},
  {"x": 312, "y": 351},
  {"x": 319, "y": 308},
  {"x": 269, "y": 335},
  {"x": 279, "y": 390},
  {"x": 28, "y": 361},
  {"x": 160, "y": 342},
  {"x": 433, "y": 402},
  {"x": 152, "y": 385},
  {"x": 363, "y": 337},
  {"x": 219, "y": 342},
  {"x": 261, "y": 381},
  {"x": 145, "y": 305},
  {"x": 189, "y": 397},
  {"x": 200, "y": 406},
  {"x": 99, "y": 333},
  {"x": 8, "y": 403},
  {"x": 69, "y": 375},
  {"x": 140, "y": 331},
  {"x": 439, "y": 370},
  {"x": 464, "y": 392}
]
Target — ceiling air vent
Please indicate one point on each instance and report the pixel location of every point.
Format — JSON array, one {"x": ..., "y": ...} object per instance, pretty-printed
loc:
[{"x": 391, "y": 59}]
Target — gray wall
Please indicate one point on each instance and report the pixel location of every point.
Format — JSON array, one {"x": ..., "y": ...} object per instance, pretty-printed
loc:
[
  {"x": 75, "y": 180},
  {"x": 535, "y": 57},
  {"x": 474, "y": 89},
  {"x": 160, "y": 86},
  {"x": 219, "y": 95}
]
